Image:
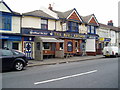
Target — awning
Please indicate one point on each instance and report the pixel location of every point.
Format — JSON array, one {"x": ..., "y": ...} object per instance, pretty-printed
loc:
[{"x": 49, "y": 39}]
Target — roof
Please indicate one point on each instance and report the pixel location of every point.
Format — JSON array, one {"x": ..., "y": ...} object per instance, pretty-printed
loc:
[
  {"x": 87, "y": 18},
  {"x": 110, "y": 27},
  {"x": 13, "y": 12},
  {"x": 63, "y": 14},
  {"x": 38, "y": 13}
]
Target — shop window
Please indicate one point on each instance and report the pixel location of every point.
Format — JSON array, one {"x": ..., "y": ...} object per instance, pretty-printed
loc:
[
  {"x": 76, "y": 45},
  {"x": 15, "y": 46},
  {"x": 44, "y": 24},
  {"x": 70, "y": 46},
  {"x": 61, "y": 46},
  {"x": 6, "y": 22},
  {"x": 46, "y": 45}
]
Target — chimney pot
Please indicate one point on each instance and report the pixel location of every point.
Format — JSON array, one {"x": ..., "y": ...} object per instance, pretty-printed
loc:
[{"x": 50, "y": 7}]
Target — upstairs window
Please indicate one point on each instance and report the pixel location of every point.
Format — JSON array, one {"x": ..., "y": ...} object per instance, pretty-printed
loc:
[
  {"x": 44, "y": 24},
  {"x": 73, "y": 26},
  {"x": 6, "y": 22},
  {"x": 92, "y": 29}
]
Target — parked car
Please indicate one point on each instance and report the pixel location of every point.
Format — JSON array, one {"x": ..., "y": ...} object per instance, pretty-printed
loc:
[
  {"x": 13, "y": 59},
  {"x": 111, "y": 51}
]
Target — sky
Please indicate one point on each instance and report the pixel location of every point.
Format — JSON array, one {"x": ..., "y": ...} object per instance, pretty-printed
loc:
[{"x": 104, "y": 10}]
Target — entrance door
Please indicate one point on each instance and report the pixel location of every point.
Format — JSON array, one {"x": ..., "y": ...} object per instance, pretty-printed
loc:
[{"x": 28, "y": 49}]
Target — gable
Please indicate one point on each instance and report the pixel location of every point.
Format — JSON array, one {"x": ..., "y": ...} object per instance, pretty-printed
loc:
[
  {"x": 4, "y": 8},
  {"x": 74, "y": 16},
  {"x": 92, "y": 21}
]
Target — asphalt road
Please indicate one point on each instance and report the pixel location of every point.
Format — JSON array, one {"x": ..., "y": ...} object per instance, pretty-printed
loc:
[{"x": 99, "y": 73}]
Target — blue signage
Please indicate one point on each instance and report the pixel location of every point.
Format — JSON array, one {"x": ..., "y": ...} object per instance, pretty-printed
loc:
[
  {"x": 9, "y": 37},
  {"x": 56, "y": 34}
]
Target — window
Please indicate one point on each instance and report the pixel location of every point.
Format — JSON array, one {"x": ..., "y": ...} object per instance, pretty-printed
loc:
[
  {"x": 88, "y": 28},
  {"x": 15, "y": 46},
  {"x": 44, "y": 24},
  {"x": 61, "y": 46},
  {"x": 46, "y": 45},
  {"x": 7, "y": 53},
  {"x": 73, "y": 26},
  {"x": 6, "y": 22},
  {"x": 92, "y": 29}
]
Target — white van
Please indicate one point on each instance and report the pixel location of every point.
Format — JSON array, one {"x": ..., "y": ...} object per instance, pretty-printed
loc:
[{"x": 111, "y": 51}]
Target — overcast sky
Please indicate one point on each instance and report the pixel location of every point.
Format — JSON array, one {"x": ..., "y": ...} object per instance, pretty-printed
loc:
[{"x": 104, "y": 10}]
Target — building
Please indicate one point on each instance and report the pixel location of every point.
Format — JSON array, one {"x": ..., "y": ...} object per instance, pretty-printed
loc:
[
  {"x": 108, "y": 35},
  {"x": 92, "y": 37},
  {"x": 10, "y": 28}
]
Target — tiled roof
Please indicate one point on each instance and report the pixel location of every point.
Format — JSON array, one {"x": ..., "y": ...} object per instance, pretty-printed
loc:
[
  {"x": 110, "y": 27},
  {"x": 38, "y": 13},
  {"x": 63, "y": 14},
  {"x": 86, "y": 18}
]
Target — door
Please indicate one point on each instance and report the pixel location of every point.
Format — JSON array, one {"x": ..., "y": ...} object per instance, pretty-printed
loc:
[{"x": 28, "y": 49}]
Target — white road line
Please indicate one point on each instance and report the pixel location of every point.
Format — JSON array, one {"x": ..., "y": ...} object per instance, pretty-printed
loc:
[{"x": 61, "y": 78}]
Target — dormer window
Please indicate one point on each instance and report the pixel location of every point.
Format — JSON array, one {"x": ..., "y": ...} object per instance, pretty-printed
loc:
[
  {"x": 44, "y": 24},
  {"x": 73, "y": 26}
]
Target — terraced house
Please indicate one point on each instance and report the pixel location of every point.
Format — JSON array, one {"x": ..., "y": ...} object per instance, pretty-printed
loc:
[
  {"x": 10, "y": 27},
  {"x": 49, "y": 33}
]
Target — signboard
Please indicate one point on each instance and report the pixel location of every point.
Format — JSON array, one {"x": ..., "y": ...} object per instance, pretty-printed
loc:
[
  {"x": 9, "y": 37},
  {"x": 56, "y": 34}
]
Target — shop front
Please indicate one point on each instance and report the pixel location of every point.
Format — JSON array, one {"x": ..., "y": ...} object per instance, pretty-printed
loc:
[
  {"x": 11, "y": 41},
  {"x": 51, "y": 43},
  {"x": 102, "y": 43}
]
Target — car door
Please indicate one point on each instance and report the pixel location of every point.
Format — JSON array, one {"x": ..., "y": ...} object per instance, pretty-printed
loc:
[{"x": 7, "y": 59}]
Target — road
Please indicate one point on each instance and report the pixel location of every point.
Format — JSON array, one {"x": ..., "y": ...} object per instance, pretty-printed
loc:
[{"x": 99, "y": 73}]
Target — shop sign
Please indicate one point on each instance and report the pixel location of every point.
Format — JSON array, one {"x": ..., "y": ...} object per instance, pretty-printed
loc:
[
  {"x": 101, "y": 39},
  {"x": 104, "y": 39},
  {"x": 54, "y": 34},
  {"x": 18, "y": 38}
]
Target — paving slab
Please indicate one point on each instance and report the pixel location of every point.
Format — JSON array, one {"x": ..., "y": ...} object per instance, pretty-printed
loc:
[{"x": 62, "y": 60}]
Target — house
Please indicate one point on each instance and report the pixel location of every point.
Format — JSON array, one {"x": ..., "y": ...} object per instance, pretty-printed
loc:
[
  {"x": 92, "y": 37},
  {"x": 47, "y": 32},
  {"x": 108, "y": 35},
  {"x": 10, "y": 27}
]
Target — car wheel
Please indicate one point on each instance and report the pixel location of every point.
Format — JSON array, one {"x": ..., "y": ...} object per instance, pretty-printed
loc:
[{"x": 18, "y": 66}]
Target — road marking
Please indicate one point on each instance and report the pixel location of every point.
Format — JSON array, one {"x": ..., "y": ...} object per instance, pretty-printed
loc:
[{"x": 61, "y": 78}]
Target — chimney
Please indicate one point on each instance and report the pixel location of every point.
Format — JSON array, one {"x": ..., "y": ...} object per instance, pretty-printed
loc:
[
  {"x": 50, "y": 7},
  {"x": 110, "y": 23}
]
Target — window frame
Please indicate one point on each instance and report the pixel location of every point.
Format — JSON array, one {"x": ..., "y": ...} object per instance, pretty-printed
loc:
[
  {"x": 73, "y": 26},
  {"x": 44, "y": 24},
  {"x": 6, "y": 23}
]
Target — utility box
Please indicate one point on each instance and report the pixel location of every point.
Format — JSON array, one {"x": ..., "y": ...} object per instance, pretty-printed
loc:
[
  {"x": 59, "y": 54},
  {"x": 38, "y": 49}
]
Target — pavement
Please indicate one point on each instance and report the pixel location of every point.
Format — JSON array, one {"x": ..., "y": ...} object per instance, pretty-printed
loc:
[{"x": 53, "y": 61}]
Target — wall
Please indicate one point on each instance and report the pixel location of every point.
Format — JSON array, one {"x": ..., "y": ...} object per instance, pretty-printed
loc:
[
  {"x": 51, "y": 24},
  {"x": 15, "y": 25},
  {"x": 113, "y": 37},
  {"x": 82, "y": 29},
  {"x": 31, "y": 22},
  {"x": 58, "y": 26},
  {"x": 102, "y": 32},
  {"x": 3, "y": 8}
]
